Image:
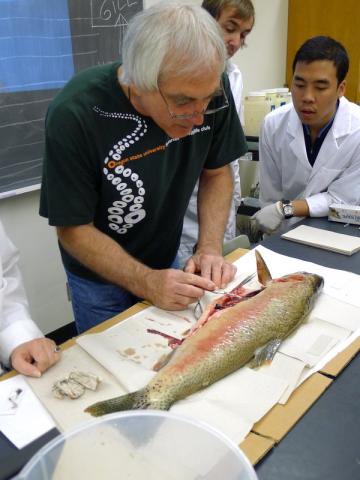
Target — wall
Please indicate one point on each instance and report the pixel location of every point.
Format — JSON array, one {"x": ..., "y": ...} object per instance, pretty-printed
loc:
[
  {"x": 263, "y": 61},
  {"x": 266, "y": 69},
  {"x": 40, "y": 261}
]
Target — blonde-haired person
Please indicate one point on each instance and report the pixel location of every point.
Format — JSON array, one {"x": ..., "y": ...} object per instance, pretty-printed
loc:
[
  {"x": 22, "y": 345},
  {"x": 236, "y": 19}
]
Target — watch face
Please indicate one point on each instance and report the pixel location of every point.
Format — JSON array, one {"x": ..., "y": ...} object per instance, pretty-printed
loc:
[{"x": 288, "y": 210}]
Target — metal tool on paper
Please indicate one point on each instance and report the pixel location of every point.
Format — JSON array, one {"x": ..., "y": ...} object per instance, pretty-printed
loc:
[
  {"x": 198, "y": 309},
  {"x": 11, "y": 404}
]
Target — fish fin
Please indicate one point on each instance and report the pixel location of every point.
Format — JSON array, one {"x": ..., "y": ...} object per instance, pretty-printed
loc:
[
  {"x": 116, "y": 404},
  {"x": 264, "y": 276},
  {"x": 266, "y": 353}
]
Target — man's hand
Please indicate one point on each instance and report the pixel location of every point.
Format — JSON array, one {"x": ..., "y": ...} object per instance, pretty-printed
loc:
[
  {"x": 269, "y": 218},
  {"x": 34, "y": 357},
  {"x": 174, "y": 289},
  {"x": 212, "y": 267}
]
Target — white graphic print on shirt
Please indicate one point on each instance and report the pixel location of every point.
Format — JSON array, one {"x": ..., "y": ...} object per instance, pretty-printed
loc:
[{"x": 128, "y": 210}]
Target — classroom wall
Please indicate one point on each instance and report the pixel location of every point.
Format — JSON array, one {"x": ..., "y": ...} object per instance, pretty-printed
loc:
[
  {"x": 263, "y": 61},
  {"x": 40, "y": 260}
]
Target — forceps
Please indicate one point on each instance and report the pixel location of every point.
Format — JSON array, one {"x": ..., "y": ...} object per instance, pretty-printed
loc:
[{"x": 198, "y": 309}]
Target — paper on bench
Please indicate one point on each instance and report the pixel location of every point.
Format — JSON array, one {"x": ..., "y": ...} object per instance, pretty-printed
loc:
[
  {"x": 30, "y": 421},
  {"x": 317, "y": 237}
]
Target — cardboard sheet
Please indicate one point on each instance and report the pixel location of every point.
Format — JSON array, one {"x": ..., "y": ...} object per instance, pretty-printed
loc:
[
  {"x": 338, "y": 363},
  {"x": 279, "y": 421},
  {"x": 256, "y": 447}
]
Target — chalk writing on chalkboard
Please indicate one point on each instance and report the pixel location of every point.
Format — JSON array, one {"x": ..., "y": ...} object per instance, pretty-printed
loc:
[{"x": 43, "y": 43}]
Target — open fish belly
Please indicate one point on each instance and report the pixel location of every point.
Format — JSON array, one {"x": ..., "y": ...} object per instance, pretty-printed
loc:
[{"x": 225, "y": 343}]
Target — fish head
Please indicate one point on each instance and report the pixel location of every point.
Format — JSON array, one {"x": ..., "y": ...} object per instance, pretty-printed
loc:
[
  {"x": 312, "y": 282},
  {"x": 316, "y": 281}
]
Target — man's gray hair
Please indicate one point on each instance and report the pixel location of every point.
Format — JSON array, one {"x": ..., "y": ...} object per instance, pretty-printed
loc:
[{"x": 171, "y": 39}]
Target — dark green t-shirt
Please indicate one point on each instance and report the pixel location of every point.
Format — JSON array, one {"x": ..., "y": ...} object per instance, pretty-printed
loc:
[{"x": 107, "y": 164}]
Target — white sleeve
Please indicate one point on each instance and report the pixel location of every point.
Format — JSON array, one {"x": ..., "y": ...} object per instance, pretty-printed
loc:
[
  {"x": 319, "y": 204},
  {"x": 345, "y": 188},
  {"x": 236, "y": 85},
  {"x": 269, "y": 174},
  {"x": 16, "y": 326}
]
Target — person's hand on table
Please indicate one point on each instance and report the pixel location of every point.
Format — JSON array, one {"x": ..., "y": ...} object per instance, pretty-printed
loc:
[
  {"x": 34, "y": 357},
  {"x": 211, "y": 266},
  {"x": 173, "y": 289},
  {"x": 269, "y": 218}
]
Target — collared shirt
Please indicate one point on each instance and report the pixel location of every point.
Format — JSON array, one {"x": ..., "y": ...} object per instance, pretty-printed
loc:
[{"x": 312, "y": 150}]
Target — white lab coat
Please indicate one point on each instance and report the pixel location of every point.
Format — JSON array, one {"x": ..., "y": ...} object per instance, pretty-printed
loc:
[
  {"x": 285, "y": 172},
  {"x": 16, "y": 326},
  {"x": 191, "y": 228}
]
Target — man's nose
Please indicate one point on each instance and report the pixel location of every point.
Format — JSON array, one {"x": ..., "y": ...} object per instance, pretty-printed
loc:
[
  {"x": 235, "y": 41},
  {"x": 309, "y": 95},
  {"x": 198, "y": 118}
]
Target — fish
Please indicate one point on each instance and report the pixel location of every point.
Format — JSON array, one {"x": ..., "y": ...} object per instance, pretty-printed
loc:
[{"x": 242, "y": 327}]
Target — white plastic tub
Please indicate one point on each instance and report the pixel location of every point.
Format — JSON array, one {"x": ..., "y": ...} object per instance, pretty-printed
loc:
[{"x": 140, "y": 445}]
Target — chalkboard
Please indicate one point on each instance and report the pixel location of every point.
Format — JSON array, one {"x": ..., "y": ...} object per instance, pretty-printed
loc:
[{"x": 43, "y": 43}]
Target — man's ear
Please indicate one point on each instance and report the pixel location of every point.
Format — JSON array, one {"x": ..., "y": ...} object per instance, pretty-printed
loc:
[{"x": 342, "y": 88}]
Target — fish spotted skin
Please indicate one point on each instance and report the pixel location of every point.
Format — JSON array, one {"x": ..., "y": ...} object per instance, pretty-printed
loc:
[{"x": 224, "y": 343}]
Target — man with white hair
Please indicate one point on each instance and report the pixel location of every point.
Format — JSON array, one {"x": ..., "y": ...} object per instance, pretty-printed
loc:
[{"x": 125, "y": 145}]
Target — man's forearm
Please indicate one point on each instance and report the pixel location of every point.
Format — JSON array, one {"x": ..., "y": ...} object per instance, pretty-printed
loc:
[
  {"x": 214, "y": 200},
  {"x": 104, "y": 256}
]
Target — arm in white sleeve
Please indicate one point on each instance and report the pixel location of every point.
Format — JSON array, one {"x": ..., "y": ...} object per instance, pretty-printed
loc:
[
  {"x": 319, "y": 204},
  {"x": 237, "y": 86},
  {"x": 269, "y": 173},
  {"x": 345, "y": 188},
  {"x": 16, "y": 326}
]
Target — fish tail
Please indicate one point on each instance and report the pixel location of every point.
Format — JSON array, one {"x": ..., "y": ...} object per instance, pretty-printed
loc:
[{"x": 130, "y": 401}]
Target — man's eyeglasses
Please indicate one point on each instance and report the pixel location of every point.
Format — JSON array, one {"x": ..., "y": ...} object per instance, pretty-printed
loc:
[{"x": 206, "y": 111}]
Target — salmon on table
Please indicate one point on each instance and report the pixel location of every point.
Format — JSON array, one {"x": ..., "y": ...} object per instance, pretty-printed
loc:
[{"x": 239, "y": 327}]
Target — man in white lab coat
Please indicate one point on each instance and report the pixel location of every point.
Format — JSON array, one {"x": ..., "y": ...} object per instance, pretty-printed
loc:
[
  {"x": 22, "y": 345},
  {"x": 236, "y": 20},
  {"x": 310, "y": 150}
]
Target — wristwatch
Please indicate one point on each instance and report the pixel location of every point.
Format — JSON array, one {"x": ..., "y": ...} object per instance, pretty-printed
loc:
[{"x": 288, "y": 208}]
